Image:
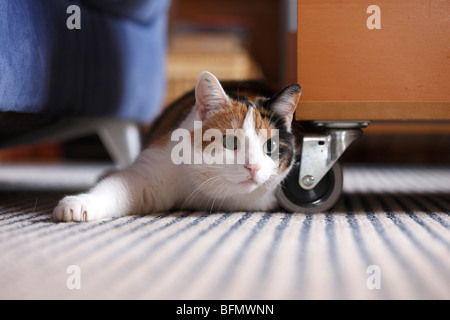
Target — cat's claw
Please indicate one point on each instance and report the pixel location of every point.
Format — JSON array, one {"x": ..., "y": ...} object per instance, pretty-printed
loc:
[{"x": 75, "y": 208}]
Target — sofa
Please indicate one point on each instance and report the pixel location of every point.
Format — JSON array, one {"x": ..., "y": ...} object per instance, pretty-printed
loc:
[{"x": 106, "y": 76}]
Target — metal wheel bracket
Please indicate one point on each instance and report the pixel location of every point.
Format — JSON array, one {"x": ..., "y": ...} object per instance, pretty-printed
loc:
[{"x": 321, "y": 151}]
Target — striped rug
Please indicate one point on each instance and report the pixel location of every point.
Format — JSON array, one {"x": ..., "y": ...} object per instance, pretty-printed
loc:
[{"x": 387, "y": 238}]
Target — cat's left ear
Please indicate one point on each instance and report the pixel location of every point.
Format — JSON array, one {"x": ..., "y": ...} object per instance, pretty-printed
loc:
[
  {"x": 285, "y": 102},
  {"x": 209, "y": 95}
]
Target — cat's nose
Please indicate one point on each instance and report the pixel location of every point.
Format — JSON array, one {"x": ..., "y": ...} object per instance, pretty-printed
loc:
[{"x": 252, "y": 168}]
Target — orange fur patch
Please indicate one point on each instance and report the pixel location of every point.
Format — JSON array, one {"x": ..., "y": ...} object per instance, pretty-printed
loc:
[{"x": 232, "y": 117}]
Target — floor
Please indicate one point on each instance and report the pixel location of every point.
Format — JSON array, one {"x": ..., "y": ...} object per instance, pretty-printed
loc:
[{"x": 387, "y": 238}]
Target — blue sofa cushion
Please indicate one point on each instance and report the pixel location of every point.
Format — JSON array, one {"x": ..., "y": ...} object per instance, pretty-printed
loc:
[{"x": 114, "y": 66}]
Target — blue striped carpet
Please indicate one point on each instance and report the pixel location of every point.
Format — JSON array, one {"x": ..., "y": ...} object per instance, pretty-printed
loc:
[{"x": 387, "y": 238}]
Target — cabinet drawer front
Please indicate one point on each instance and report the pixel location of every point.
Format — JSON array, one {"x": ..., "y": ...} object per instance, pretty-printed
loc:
[{"x": 407, "y": 60}]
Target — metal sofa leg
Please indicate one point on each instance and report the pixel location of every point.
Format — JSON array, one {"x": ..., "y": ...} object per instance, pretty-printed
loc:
[{"x": 122, "y": 140}]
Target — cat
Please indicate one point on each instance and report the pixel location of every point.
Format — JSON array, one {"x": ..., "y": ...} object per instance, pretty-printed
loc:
[{"x": 159, "y": 180}]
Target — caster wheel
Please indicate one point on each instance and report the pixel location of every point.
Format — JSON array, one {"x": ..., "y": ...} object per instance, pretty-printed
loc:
[{"x": 293, "y": 198}]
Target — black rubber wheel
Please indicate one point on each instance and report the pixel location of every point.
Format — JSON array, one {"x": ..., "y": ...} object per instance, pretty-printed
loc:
[{"x": 293, "y": 198}]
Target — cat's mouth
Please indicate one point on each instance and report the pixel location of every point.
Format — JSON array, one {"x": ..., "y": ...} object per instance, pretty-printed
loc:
[
  {"x": 251, "y": 180},
  {"x": 249, "y": 183}
]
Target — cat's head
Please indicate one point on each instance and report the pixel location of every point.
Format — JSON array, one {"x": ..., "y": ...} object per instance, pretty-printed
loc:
[{"x": 252, "y": 135}]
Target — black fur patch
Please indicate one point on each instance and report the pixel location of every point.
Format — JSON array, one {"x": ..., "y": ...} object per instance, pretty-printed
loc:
[{"x": 242, "y": 99}]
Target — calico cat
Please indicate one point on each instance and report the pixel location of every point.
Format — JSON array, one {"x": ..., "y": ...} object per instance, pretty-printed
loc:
[{"x": 171, "y": 172}]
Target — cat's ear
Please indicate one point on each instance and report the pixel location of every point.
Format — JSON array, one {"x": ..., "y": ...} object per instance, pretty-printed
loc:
[
  {"x": 209, "y": 95},
  {"x": 285, "y": 102}
]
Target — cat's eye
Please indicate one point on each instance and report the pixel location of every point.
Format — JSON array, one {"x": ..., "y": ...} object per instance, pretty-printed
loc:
[
  {"x": 270, "y": 146},
  {"x": 230, "y": 142}
]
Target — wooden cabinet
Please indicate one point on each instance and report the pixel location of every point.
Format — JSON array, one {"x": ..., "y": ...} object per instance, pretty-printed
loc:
[{"x": 374, "y": 60}]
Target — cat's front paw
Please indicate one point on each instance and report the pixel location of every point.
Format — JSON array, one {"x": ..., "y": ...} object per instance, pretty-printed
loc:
[{"x": 75, "y": 208}]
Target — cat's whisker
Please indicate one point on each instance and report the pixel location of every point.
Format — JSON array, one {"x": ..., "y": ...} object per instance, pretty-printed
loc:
[
  {"x": 226, "y": 196},
  {"x": 217, "y": 192},
  {"x": 198, "y": 189}
]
